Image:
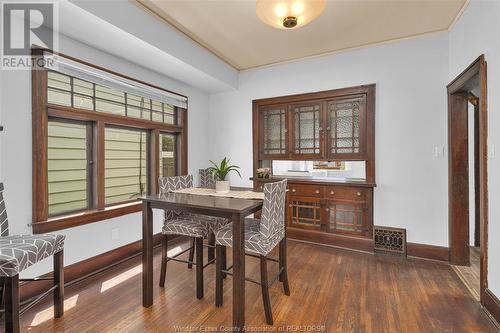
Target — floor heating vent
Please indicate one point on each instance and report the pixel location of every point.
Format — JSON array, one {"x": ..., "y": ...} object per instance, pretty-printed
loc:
[{"x": 389, "y": 240}]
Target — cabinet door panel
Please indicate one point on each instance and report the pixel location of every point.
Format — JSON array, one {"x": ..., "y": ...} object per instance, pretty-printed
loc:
[
  {"x": 346, "y": 130},
  {"x": 347, "y": 217},
  {"x": 307, "y": 130},
  {"x": 273, "y": 131},
  {"x": 305, "y": 212}
]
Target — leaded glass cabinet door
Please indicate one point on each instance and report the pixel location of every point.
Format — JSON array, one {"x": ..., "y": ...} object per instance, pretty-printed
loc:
[
  {"x": 347, "y": 217},
  {"x": 273, "y": 132},
  {"x": 346, "y": 127},
  {"x": 307, "y": 130},
  {"x": 305, "y": 213}
]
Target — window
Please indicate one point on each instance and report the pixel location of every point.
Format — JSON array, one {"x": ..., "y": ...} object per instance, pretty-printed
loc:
[
  {"x": 167, "y": 155},
  {"x": 125, "y": 165},
  {"x": 100, "y": 141},
  {"x": 70, "y": 91},
  {"x": 67, "y": 167}
]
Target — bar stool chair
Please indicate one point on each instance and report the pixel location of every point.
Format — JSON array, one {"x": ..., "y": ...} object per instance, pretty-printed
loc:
[
  {"x": 18, "y": 252},
  {"x": 261, "y": 237},
  {"x": 192, "y": 225}
]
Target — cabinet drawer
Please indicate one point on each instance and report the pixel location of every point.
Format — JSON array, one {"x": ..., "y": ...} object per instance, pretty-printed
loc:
[
  {"x": 306, "y": 190},
  {"x": 346, "y": 193}
]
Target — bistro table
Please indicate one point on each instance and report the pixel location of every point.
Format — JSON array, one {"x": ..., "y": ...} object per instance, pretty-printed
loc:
[{"x": 234, "y": 209}]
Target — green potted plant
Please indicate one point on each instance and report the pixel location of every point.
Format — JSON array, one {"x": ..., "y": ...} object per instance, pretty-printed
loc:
[{"x": 220, "y": 172}]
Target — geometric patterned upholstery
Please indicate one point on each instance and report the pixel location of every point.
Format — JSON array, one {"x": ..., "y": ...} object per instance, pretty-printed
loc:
[
  {"x": 181, "y": 223},
  {"x": 21, "y": 251},
  {"x": 254, "y": 242},
  {"x": 18, "y": 252},
  {"x": 4, "y": 223},
  {"x": 184, "y": 223},
  {"x": 261, "y": 236},
  {"x": 171, "y": 184},
  {"x": 207, "y": 178},
  {"x": 187, "y": 226}
]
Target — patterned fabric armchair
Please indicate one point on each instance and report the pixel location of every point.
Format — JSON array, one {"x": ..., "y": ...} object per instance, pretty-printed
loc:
[
  {"x": 261, "y": 237},
  {"x": 18, "y": 252}
]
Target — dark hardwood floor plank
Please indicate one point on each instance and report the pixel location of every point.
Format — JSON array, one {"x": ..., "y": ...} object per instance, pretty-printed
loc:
[{"x": 339, "y": 290}]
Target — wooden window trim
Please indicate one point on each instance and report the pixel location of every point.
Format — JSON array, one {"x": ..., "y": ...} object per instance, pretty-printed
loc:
[{"x": 42, "y": 111}]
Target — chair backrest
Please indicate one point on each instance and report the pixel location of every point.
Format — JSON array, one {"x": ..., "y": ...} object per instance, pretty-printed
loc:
[
  {"x": 4, "y": 222},
  {"x": 170, "y": 184},
  {"x": 207, "y": 179},
  {"x": 273, "y": 209}
]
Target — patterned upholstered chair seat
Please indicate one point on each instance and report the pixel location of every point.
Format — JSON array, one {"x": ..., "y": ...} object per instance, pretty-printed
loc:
[
  {"x": 185, "y": 225},
  {"x": 254, "y": 240},
  {"x": 18, "y": 252},
  {"x": 211, "y": 223}
]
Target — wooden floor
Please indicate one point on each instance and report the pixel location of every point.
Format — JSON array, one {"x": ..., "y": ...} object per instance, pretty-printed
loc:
[
  {"x": 470, "y": 274},
  {"x": 337, "y": 290}
]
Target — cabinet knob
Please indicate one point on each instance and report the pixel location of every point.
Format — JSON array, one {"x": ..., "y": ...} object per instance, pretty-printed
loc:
[
  {"x": 260, "y": 187},
  {"x": 317, "y": 191},
  {"x": 328, "y": 128},
  {"x": 332, "y": 192},
  {"x": 290, "y": 205},
  {"x": 327, "y": 209},
  {"x": 358, "y": 194},
  {"x": 293, "y": 190}
]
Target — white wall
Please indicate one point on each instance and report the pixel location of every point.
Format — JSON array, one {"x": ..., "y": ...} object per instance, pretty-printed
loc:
[
  {"x": 411, "y": 78},
  {"x": 478, "y": 32},
  {"x": 15, "y": 162}
]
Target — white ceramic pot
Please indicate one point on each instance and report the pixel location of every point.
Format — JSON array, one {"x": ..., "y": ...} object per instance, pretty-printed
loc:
[{"x": 222, "y": 186}]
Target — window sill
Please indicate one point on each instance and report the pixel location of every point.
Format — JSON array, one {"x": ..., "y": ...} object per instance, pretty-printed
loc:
[{"x": 75, "y": 220}]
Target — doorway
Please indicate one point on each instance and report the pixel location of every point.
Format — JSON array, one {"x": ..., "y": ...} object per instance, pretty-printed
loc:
[{"x": 467, "y": 176}]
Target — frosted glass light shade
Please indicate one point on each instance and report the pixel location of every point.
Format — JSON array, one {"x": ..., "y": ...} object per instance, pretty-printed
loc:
[{"x": 276, "y": 12}]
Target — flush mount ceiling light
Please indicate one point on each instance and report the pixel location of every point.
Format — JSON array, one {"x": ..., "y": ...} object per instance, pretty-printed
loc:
[{"x": 289, "y": 14}]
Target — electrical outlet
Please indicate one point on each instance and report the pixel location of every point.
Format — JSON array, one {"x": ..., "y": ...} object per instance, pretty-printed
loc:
[
  {"x": 115, "y": 234},
  {"x": 491, "y": 151},
  {"x": 438, "y": 151}
]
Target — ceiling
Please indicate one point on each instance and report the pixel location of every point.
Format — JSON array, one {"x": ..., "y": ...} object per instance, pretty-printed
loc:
[{"x": 232, "y": 31}]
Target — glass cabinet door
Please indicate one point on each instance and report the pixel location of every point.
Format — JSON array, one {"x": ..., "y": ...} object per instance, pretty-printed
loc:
[
  {"x": 273, "y": 132},
  {"x": 346, "y": 127},
  {"x": 304, "y": 212},
  {"x": 346, "y": 217},
  {"x": 307, "y": 128}
]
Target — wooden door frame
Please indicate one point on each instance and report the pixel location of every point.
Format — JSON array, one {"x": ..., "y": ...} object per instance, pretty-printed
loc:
[{"x": 458, "y": 171}]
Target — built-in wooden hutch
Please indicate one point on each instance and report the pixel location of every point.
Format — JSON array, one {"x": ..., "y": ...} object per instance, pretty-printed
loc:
[{"x": 334, "y": 125}]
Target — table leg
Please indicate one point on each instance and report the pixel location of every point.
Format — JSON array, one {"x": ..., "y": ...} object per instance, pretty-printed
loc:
[
  {"x": 147, "y": 254},
  {"x": 238, "y": 272}
]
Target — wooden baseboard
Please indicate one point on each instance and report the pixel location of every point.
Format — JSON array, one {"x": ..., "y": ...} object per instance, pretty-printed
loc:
[
  {"x": 88, "y": 267},
  {"x": 345, "y": 242},
  {"x": 492, "y": 304},
  {"x": 425, "y": 251},
  {"x": 366, "y": 244}
]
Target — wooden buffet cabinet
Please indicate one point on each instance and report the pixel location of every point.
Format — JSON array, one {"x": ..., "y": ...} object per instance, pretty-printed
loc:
[{"x": 335, "y": 125}]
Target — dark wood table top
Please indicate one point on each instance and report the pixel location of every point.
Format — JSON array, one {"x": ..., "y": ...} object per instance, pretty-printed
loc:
[{"x": 204, "y": 202}]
